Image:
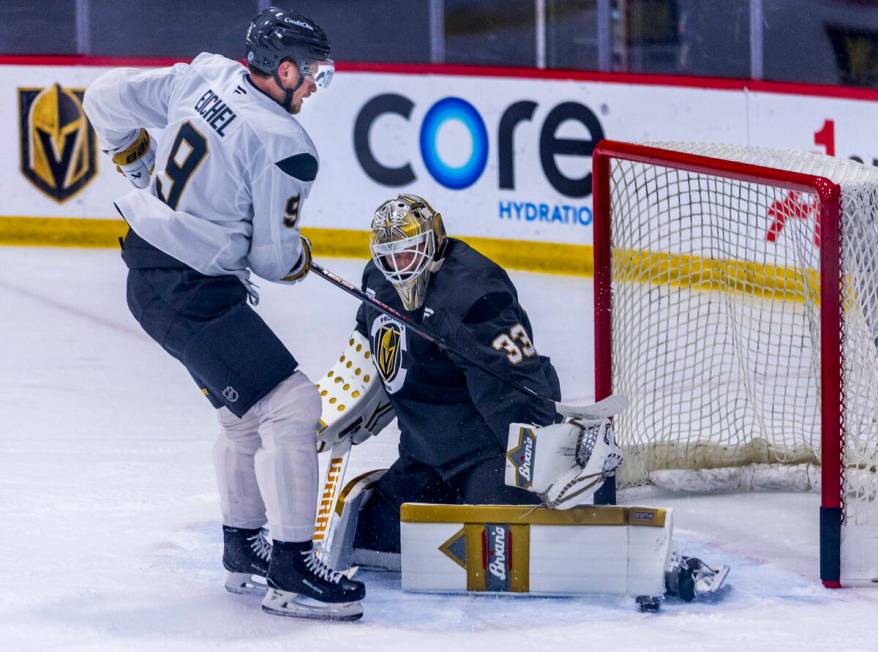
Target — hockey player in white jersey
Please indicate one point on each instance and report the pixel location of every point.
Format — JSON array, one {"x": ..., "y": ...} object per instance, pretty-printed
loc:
[{"x": 218, "y": 197}]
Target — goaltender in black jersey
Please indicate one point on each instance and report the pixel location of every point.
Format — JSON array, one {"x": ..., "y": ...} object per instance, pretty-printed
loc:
[
  {"x": 463, "y": 430},
  {"x": 453, "y": 416}
]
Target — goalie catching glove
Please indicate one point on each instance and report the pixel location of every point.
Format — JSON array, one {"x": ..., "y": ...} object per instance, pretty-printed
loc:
[
  {"x": 565, "y": 463},
  {"x": 355, "y": 405},
  {"x": 136, "y": 160}
]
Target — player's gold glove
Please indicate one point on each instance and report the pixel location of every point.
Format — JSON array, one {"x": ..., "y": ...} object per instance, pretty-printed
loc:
[
  {"x": 136, "y": 161},
  {"x": 303, "y": 266}
]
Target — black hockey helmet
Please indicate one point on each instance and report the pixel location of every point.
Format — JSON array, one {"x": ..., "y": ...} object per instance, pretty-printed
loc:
[{"x": 279, "y": 34}]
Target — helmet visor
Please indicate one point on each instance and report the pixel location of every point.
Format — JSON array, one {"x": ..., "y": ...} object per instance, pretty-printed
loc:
[{"x": 319, "y": 72}]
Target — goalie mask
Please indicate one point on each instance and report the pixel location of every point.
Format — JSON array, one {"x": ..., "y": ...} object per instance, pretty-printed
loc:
[{"x": 406, "y": 242}]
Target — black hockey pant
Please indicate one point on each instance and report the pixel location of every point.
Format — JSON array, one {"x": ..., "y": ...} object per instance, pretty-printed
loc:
[{"x": 410, "y": 482}]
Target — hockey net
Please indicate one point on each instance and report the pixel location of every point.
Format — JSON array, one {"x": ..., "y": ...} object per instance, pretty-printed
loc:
[{"x": 736, "y": 307}]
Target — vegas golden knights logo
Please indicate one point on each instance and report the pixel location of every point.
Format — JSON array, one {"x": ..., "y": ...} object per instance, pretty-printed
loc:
[
  {"x": 389, "y": 347},
  {"x": 387, "y": 351},
  {"x": 57, "y": 143}
]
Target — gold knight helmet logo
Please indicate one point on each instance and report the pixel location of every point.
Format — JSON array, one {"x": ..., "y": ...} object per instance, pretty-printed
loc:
[
  {"x": 388, "y": 343},
  {"x": 387, "y": 353},
  {"x": 57, "y": 142}
]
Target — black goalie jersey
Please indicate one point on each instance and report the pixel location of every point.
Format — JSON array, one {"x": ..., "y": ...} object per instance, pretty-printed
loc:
[{"x": 452, "y": 414}]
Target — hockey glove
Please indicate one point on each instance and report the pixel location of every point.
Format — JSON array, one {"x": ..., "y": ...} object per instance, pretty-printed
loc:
[
  {"x": 565, "y": 463},
  {"x": 303, "y": 265},
  {"x": 136, "y": 161}
]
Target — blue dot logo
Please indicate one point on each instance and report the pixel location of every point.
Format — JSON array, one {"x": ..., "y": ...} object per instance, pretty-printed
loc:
[{"x": 463, "y": 176}]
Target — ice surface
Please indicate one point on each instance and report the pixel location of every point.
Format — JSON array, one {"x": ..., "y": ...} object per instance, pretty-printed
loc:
[{"x": 109, "y": 523}]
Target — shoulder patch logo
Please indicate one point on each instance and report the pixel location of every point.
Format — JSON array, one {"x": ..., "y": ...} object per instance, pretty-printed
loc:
[
  {"x": 57, "y": 145},
  {"x": 388, "y": 351},
  {"x": 388, "y": 348}
]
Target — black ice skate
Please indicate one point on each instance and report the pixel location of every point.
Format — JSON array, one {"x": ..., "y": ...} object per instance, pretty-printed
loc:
[
  {"x": 246, "y": 555},
  {"x": 689, "y": 577},
  {"x": 302, "y": 586}
]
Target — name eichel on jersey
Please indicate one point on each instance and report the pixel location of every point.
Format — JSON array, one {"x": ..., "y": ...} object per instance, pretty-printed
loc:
[
  {"x": 215, "y": 112},
  {"x": 219, "y": 130}
]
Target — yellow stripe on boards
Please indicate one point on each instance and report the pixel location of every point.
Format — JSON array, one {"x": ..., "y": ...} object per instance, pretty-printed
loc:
[
  {"x": 652, "y": 268},
  {"x": 60, "y": 232},
  {"x": 335, "y": 243},
  {"x": 745, "y": 277}
]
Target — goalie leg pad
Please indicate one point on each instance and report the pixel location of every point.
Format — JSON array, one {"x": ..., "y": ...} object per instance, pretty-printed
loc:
[
  {"x": 354, "y": 404},
  {"x": 340, "y": 554},
  {"x": 521, "y": 549}
]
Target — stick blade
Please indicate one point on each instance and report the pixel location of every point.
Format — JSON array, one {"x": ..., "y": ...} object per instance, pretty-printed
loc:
[{"x": 603, "y": 409}]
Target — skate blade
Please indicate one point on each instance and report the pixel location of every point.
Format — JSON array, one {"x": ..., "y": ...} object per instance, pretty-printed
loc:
[
  {"x": 293, "y": 605},
  {"x": 715, "y": 582},
  {"x": 244, "y": 583}
]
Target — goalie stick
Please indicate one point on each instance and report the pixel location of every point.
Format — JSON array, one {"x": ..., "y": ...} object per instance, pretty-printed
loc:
[{"x": 602, "y": 409}]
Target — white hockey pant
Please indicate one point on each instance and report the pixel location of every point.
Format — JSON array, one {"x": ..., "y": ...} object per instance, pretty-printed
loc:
[{"x": 266, "y": 461}]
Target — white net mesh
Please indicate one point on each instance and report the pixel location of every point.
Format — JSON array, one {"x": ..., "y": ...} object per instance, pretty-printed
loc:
[{"x": 716, "y": 322}]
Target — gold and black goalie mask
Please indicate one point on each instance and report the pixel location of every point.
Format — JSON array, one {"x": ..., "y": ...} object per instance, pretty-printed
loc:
[{"x": 407, "y": 236}]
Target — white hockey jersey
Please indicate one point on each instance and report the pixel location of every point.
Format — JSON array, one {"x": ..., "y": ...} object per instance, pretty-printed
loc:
[{"x": 232, "y": 167}]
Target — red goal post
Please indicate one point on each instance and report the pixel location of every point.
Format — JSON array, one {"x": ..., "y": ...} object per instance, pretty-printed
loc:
[{"x": 727, "y": 298}]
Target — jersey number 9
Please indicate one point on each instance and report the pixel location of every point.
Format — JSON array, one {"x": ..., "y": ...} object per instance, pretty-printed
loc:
[{"x": 181, "y": 164}]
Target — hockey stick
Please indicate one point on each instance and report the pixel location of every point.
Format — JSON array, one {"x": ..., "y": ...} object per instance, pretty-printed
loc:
[{"x": 606, "y": 408}]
